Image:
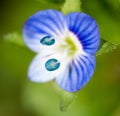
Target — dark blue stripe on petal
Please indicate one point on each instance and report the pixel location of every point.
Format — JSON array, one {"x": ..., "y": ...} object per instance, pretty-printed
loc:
[
  {"x": 85, "y": 35},
  {"x": 85, "y": 70},
  {"x": 91, "y": 38},
  {"x": 79, "y": 26},
  {"x": 89, "y": 43},
  {"x": 33, "y": 29},
  {"x": 61, "y": 21},
  {"x": 42, "y": 23},
  {"x": 57, "y": 23},
  {"x": 80, "y": 71},
  {"x": 85, "y": 28},
  {"x": 75, "y": 28},
  {"x": 70, "y": 78}
]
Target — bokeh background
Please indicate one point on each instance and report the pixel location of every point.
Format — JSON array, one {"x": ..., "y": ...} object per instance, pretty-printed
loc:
[{"x": 20, "y": 97}]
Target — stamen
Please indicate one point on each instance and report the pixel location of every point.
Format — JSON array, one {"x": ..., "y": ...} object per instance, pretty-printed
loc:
[
  {"x": 52, "y": 65},
  {"x": 47, "y": 40}
]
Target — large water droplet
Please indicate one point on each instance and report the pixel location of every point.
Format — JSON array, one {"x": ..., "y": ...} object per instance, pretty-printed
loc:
[
  {"x": 47, "y": 40},
  {"x": 52, "y": 65}
]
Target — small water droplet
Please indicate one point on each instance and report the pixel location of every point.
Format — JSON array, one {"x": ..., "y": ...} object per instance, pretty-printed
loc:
[
  {"x": 52, "y": 65},
  {"x": 47, "y": 40}
]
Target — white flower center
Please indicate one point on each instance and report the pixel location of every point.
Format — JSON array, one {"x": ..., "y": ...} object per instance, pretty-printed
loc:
[
  {"x": 66, "y": 48},
  {"x": 71, "y": 46}
]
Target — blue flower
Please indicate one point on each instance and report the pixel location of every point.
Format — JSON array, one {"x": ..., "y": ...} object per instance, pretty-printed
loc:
[{"x": 66, "y": 46}]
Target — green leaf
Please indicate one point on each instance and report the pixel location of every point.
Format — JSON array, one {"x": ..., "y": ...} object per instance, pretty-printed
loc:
[
  {"x": 71, "y": 6},
  {"x": 106, "y": 47},
  {"x": 15, "y": 38},
  {"x": 102, "y": 42}
]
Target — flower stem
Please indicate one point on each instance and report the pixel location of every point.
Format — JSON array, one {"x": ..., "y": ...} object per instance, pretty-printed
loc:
[
  {"x": 71, "y": 6},
  {"x": 66, "y": 98}
]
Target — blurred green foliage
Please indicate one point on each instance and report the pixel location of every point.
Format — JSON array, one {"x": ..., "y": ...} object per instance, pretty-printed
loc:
[
  {"x": 107, "y": 17},
  {"x": 20, "y": 97}
]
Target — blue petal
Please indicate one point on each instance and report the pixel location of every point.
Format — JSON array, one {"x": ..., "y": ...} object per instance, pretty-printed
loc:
[
  {"x": 86, "y": 29},
  {"x": 43, "y": 23},
  {"x": 77, "y": 74}
]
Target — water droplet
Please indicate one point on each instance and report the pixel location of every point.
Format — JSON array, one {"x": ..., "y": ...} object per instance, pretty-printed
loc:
[
  {"x": 52, "y": 65},
  {"x": 47, "y": 40}
]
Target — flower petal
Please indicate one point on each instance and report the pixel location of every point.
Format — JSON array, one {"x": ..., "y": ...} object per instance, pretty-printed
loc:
[
  {"x": 86, "y": 29},
  {"x": 43, "y": 23},
  {"x": 77, "y": 74},
  {"x": 37, "y": 71}
]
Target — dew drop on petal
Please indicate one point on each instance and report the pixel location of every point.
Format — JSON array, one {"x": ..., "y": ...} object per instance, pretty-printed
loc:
[
  {"x": 47, "y": 40},
  {"x": 52, "y": 64}
]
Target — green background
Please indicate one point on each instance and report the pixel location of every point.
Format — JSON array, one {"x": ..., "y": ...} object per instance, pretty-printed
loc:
[{"x": 20, "y": 97}]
